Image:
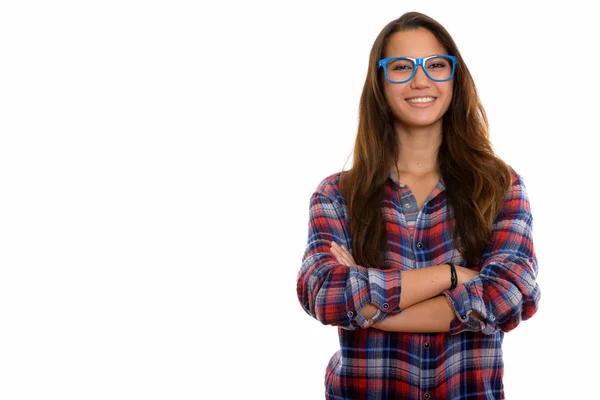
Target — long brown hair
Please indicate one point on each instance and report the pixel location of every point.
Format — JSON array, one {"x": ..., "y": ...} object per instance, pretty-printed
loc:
[{"x": 476, "y": 179}]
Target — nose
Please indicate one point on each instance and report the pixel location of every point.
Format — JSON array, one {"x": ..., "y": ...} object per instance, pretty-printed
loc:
[{"x": 420, "y": 80}]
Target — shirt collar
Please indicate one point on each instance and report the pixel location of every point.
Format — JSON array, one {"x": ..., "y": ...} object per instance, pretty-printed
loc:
[{"x": 439, "y": 188}]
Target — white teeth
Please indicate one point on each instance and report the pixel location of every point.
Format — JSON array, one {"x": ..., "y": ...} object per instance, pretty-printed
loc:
[{"x": 421, "y": 100}]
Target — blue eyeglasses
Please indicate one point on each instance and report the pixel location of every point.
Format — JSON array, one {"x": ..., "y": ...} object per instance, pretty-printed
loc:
[{"x": 438, "y": 67}]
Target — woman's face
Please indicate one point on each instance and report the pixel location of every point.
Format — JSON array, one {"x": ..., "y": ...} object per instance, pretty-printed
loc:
[{"x": 401, "y": 97}]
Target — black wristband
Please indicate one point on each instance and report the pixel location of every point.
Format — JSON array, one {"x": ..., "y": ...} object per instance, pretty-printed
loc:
[{"x": 453, "y": 280}]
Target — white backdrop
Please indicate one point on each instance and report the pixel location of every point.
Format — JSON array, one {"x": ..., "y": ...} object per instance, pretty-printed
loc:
[{"x": 156, "y": 163}]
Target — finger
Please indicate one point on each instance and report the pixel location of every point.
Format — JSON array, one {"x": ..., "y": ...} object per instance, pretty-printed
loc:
[
  {"x": 347, "y": 255},
  {"x": 339, "y": 258},
  {"x": 348, "y": 260},
  {"x": 343, "y": 255},
  {"x": 337, "y": 249},
  {"x": 343, "y": 249},
  {"x": 334, "y": 247}
]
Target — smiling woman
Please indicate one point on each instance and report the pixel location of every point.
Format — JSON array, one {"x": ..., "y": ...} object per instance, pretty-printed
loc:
[
  {"x": 422, "y": 253},
  {"x": 407, "y": 86}
]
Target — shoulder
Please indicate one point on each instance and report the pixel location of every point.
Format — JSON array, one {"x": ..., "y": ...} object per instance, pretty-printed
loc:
[
  {"x": 515, "y": 177},
  {"x": 516, "y": 180},
  {"x": 516, "y": 195},
  {"x": 329, "y": 187}
]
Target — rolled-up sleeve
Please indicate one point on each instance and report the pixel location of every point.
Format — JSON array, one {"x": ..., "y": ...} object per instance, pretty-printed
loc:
[
  {"x": 334, "y": 293},
  {"x": 505, "y": 292}
]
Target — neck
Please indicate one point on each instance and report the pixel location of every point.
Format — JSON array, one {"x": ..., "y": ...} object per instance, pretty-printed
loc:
[{"x": 418, "y": 148}]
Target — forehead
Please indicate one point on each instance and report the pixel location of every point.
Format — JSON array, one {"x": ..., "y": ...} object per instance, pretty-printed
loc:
[{"x": 414, "y": 43}]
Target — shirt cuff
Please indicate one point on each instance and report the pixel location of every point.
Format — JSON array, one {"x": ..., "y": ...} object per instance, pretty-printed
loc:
[
  {"x": 462, "y": 305},
  {"x": 384, "y": 290}
]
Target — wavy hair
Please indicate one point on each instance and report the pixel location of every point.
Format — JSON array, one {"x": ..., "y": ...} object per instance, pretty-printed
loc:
[{"x": 476, "y": 179}]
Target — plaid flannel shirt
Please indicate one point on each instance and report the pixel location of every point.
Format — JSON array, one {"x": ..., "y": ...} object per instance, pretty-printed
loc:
[{"x": 465, "y": 362}]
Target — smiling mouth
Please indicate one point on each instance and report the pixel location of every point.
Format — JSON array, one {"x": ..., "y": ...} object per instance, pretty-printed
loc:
[{"x": 421, "y": 100}]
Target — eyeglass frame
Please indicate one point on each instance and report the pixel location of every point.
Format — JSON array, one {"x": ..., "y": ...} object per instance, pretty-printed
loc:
[{"x": 417, "y": 61}]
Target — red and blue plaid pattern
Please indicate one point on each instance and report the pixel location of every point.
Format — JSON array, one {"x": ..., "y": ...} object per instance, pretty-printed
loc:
[{"x": 465, "y": 363}]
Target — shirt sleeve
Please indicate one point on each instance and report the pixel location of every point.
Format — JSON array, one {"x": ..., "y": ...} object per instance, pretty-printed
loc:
[
  {"x": 331, "y": 292},
  {"x": 505, "y": 292}
]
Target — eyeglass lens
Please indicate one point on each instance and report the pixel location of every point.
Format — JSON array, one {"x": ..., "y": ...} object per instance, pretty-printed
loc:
[{"x": 400, "y": 69}]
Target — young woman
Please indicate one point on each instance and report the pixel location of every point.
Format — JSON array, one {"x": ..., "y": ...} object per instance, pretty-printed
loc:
[{"x": 421, "y": 254}]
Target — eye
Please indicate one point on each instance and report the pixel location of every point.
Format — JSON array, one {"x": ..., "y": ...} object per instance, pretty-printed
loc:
[
  {"x": 400, "y": 65},
  {"x": 437, "y": 63}
]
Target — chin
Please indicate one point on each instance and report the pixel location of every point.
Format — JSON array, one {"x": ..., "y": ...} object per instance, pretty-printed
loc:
[
  {"x": 422, "y": 123},
  {"x": 419, "y": 119}
]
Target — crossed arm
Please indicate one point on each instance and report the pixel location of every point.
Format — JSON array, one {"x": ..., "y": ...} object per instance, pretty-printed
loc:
[
  {"x": 336, "y": 291},
  {"x": 424, "y": 308}
]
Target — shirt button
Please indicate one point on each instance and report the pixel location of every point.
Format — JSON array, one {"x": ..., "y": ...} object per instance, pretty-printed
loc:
[
  {"x": 407, "y": 205},
  {"x": 426, "y": 345},
  {"x": 385, "y": 306},
  {"x": 420, "y": 245},
  {"x": 463, "y": 316},
  {"x": 350, "y": 314},
  {"x": 426, "y": 396}
]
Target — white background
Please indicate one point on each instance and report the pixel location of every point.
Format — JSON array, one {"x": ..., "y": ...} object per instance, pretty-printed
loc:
[{"x": 156, "y": 163}]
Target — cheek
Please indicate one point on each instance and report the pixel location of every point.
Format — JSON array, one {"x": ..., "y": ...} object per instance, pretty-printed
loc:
[
  {"x": 394, "y": 94},
  {"x": 450, "y": 89},
  {"x": 446, "y": 95}
]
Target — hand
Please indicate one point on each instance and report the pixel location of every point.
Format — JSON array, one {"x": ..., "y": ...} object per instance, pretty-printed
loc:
[
  {"x": 342, "y": 254},
  {"x": 464, "y": 275}
]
